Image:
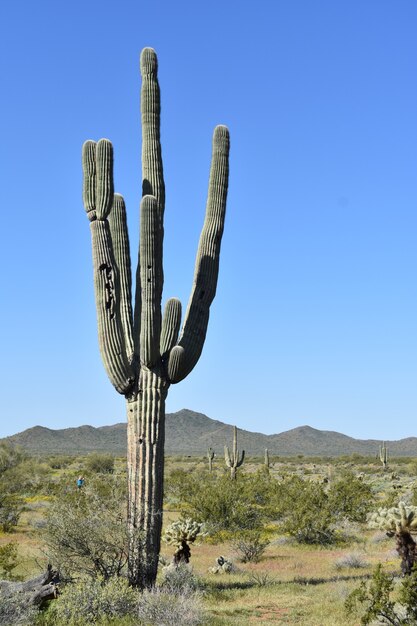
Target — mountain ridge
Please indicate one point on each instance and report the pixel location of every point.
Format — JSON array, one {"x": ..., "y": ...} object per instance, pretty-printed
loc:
[{"x": 191, "y": 433}]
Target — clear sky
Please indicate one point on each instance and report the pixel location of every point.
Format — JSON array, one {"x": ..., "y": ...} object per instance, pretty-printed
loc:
[{"x": 315, "y": 317}]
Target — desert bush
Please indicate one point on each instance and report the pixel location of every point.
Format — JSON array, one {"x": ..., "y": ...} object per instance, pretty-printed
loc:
[
  {"x": 250, "y": 546},
  {"x": 304, "y": 507},
  {"x": 28, "y": 477},
  {"x": 59, "y": 461},
  {"x": 161, "y": 608},
  {"x": 176, "y": 578},
  {"x": 375, "y": 600},
  {"x": 86, "y": 530},
  {"x": 354, "y": 560},
  {"x": 90, "y": 600},
  {"x": 15, "y": 611},
  {"x": 350, "y": 498},
  {"x": 223, "y": 505},
  {"x": 10, "y": 456},
  {"x": 100, "y": 463},
  {"x": 261, "y": 579},
  {"x": 11, "y": 507},
  {"x": 8, "y": 561}
]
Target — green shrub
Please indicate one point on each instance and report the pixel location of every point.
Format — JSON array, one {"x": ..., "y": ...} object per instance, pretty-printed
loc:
[
  {"x": 86, "y": 530},
  {"x": 15, "y": 611},
  {"x": 90, "y": 600},
  {"x": 374, "y": 601},
  {"x": 223, "y": 505},
  {"x": 8, "y": 561},
  {"x": 304, "y": 507},
  {"x": 11, "y": 507},
  {"x": 100, "y": 463},
  {"x": 250, "y": 546},
  {"x": 10, "y": 456},
  {"x": 350, "y": 498}
]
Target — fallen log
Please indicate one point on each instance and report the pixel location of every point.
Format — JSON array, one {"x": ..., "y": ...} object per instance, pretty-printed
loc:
[{"x": 36, "y": 590}]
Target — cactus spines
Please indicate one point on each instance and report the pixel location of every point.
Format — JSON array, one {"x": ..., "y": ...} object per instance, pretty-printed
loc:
[
  {"x": 210, "y": 456},
  {"x": 232, "y": 458},
  {"x": 400, "y": 522},
  {"x": 144, "y": 352},
  {"x": 383, "y": 455},
  {"x": 180, "y": 534}
]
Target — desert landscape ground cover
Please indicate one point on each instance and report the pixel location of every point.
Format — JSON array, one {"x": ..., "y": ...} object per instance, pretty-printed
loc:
[{"x": 295, "y": 578}]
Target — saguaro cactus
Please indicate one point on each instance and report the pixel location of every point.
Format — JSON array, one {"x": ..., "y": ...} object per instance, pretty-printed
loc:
[
  {"x": 232, "y": 459},
  {"x": 266, "y": 458},
  {"x": 210, "y": 456},
  {"x": 383, "y": 455},
  {"x": 143, "y": 351}
]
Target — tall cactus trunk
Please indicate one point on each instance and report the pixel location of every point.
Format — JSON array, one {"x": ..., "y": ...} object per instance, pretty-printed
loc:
[
  {"x": 143, "y": 351},
  {"x": 146, "y": 438}
]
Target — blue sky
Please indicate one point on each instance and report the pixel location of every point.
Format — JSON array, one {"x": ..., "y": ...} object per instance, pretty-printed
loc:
[{"x": 314, "y": 321}]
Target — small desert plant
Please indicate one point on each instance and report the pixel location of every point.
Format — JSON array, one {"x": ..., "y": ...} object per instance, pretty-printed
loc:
[
  {"x": 8, "y": 561},
  {"x": 261, "y": 579},
  {"x": 176, "y": 578},
  {"x": 90, "y": 600},
  {"x": 15, "y": 611},
  {"x": 157, "y": 607},
  {"x": 11, "y": 507},
  {"x": 352, "y": 560},
  {"x": 374, "y": 601},
  {"x": 249, "y": 546},
  {"x": 223, "y": 566}
]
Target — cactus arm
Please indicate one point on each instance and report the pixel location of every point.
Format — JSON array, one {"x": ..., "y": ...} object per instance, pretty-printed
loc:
[
  {"x": 151, "y": 281},
  {"x": 121, "y": 250},
  {"x": 185, "y": 355},
  {"x": 171, "y": 322},
  {"x": 98, "y": 199},
  {"x": 227, "y": 458},
  {"x": 242, "y": 458},
  {"x": 89, "y": 178},
  {"x": 235, "y": 450},
  {"x": 152, "y": 170}
]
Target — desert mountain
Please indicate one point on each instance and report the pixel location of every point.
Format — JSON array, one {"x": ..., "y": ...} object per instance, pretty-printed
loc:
[{"x": 190, "y": 433}]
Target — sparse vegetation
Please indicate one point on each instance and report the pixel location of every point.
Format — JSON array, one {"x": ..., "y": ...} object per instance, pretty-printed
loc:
[{"x": 303, "y": 583}]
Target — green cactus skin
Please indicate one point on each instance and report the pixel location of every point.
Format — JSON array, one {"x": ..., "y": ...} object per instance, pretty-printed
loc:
[
  {"x": 232, "y": 459},
  {"x": 210, "y": 456},
  {"x": 383, "y": 455},
  {"x": 144, "y": 352}
]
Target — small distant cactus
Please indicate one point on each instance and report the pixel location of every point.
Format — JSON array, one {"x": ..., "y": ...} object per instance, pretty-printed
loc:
[
  {"x": 180, "y": 534},
  {"x": 383, "y": 455},
  {"x": 232, "y": 458},
  {"x": 210, "y": 456},
  {"x": 400, "y": 522},
  {"x": 266, "y": 459},
  {"x": 223, "y": 566}
]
